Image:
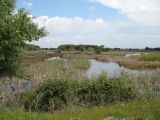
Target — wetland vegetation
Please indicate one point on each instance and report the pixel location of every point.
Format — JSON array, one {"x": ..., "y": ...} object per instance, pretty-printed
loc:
[
  {"x": 60, "y": 84},
  {"x": 72, "y": 82}
]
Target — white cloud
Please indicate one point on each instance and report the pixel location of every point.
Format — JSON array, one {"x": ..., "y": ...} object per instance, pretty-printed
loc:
[
  {"x": 141, "y": 11},
  {"x": 77, "y": 30},
  {"x": 28, "y": 4}
]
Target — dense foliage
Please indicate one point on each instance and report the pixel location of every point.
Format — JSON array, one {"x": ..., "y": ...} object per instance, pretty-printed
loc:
[
  {"x": 83, "y": 48},
  {"x": 31, "y": 47},
  {"x": 16, "y": 28},
  {"x": 59, "y": 93}
]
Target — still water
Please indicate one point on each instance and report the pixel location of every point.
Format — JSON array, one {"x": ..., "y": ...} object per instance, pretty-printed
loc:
[{"x": 111, "y": 68}]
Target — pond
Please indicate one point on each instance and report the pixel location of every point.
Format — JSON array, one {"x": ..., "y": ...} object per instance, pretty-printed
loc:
[{"x": 111, "y": 68}]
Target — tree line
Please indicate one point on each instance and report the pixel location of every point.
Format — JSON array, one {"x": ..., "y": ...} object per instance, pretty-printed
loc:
[{"x": 90, "y": 48}]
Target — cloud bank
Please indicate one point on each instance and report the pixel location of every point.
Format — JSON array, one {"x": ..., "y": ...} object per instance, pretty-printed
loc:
[
  {"x": 142, "y": 29},
  {"x": 77, "y": 30},
  {"x": 141, "y": 11}
]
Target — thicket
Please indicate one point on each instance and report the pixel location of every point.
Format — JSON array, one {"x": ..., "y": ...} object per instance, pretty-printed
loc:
[{"x": 57, "y": 94}]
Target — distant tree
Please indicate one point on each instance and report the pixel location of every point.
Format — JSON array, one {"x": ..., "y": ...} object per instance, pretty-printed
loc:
[
  {"x": 157, "y": 49},
  {"x": 101, "y": 46},
  {"x": 31, "y": 47},
  {"x": 147, "y": 48},
  {"x": 83, "y": 48},
  {"x": 16, "y": 28}
]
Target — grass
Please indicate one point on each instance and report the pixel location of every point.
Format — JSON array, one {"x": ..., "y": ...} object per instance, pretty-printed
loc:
[
  {"x": 135, "y": 64},
  {"x": 33, "y": 57},
  {"x": 139, "y": 110},
  {"x": 57, "y": 68},
  {"x": 150, "y": 57},
  {"x": 144, "y": 61},
  {"x": 81, "y": 63}
]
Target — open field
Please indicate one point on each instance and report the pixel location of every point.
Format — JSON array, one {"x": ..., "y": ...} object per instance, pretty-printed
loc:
[{"x": 138, "y": 110}]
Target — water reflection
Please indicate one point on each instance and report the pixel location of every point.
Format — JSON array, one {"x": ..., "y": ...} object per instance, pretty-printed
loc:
[{"x": 111, "y": 68}]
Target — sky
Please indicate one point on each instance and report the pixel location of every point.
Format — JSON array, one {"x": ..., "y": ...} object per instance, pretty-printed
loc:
[{"x": 113, "y": 23}]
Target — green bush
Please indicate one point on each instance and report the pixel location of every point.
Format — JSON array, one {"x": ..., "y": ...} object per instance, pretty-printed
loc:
[
  {"x": 16, "y": 29},
  {"x": 58, "y": 94}
]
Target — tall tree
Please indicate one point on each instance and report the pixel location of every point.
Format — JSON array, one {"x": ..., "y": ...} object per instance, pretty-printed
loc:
[{"x": 16, "y": 28}]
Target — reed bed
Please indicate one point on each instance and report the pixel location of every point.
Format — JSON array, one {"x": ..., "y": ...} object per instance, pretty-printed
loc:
[
  {"x": 134, "y": 64},
  {"x": 150, "y": 57},
  {"x": 37, "y": 56},
  {"x": 72, "y": 68}
]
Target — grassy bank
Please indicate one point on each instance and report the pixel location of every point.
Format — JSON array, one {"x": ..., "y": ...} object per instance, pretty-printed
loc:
[
  {"x": 140, "y": 65},
  {"x": 150, "y": 57},
  {"x": 144, "y": 61},
  {"x": 140, "y": 110}
]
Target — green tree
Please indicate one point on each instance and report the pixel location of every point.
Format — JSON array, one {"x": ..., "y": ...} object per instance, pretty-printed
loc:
[{"x": 16, "y": 29}]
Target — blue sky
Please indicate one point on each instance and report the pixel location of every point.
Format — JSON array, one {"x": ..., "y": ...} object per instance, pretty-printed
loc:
[
  {"x": 70, "y": 8},
  {"x": 116, "y": 23}
]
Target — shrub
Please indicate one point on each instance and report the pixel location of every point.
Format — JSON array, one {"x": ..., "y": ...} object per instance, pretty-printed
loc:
[{"x": 58, "y": 94}]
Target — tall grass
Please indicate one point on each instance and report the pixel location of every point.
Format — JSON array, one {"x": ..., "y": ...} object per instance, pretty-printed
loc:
[
  {"x": 141, "y": 65},
  {"x": 144, "y": 61},
  {"x": 72, "y": 68},
  {"x": 150, "y": 57}
]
